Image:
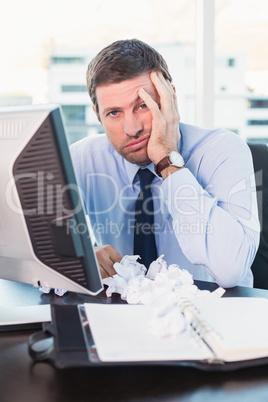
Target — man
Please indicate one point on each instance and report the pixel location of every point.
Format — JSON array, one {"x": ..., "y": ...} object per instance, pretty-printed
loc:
[{"x": 205, "y": 210}]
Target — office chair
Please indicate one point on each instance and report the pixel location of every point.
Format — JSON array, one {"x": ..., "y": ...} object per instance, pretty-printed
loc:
[{"x": 260, "y": 263}]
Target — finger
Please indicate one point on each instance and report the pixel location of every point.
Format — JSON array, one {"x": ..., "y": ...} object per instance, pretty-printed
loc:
[
  {"x": 103, "y": 273},
  {"x": 165, "y": 91},
  {"x": 107, "y": 256},
  {"x": 173, "y": 97},
  {"x": 171, "y": 89},
  {"x": 115, "y": 256},
  {"x": 161, "y": 87},
  {"x": 165, "y": 83},
  {"x": 152, "y": 105},
  {"x": 106, "y": 270},
  {"x": 108, "y": 252},
  {"x": 158, "y": 120}
]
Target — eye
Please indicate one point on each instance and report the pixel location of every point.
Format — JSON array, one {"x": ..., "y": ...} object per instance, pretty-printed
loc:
[
  {"x": 113, "y": 113},
  {"x": 143, "y": 106}
]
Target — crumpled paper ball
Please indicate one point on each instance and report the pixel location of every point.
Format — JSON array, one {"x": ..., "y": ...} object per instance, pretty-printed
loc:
[{"x": 163, "y": 287}]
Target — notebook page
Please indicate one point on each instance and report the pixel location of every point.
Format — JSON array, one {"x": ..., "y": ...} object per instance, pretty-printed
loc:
[
  {"x": 121, "y": 333},
  {"x": 241, "y": 324}
]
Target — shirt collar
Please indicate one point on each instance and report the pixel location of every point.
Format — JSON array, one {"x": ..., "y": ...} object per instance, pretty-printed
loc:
[{"x": 132, "y": 170}]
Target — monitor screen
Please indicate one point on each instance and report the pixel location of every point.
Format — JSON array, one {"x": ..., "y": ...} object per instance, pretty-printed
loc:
[{"x": 44, "y": 237}]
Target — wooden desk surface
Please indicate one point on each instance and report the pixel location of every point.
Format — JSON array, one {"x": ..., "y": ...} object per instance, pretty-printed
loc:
[{"x": 23, "y": 381}]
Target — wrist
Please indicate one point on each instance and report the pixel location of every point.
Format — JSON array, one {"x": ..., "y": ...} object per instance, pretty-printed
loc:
[
  {"x": 170, "y": 162},
  {"x": 170, "y": 170}
]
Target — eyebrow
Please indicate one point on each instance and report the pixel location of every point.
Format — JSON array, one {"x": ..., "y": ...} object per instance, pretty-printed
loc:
[{"x": 110, "y": 108}]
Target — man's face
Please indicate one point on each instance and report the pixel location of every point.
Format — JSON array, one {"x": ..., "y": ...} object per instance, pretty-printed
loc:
[{"x": 125, "y": 117}]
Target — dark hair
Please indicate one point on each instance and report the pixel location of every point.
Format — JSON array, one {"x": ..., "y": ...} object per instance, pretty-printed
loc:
[{"x": 120, "y": 61}]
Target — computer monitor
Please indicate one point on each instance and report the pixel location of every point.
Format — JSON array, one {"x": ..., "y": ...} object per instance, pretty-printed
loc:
[{"x": 44, "y": 236}]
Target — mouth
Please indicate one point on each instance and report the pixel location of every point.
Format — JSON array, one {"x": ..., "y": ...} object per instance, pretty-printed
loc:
[{"x": 141, "y": 142}]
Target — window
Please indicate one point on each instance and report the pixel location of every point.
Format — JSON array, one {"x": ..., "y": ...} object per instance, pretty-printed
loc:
[
  {"x": 257, "y": 140},
  {"x": 258, "y": 103},
  {"x": 231, "y": 62},
  {"x": 234, "y": 130},
  {"x": 73, "y": 88},
  {"x": 74, "y": 113},
  {"x": 67, "y": 60},
  {"x": 257, "y": 122}
]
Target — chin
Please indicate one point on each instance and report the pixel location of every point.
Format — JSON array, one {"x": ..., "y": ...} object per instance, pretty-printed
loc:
[
  {"x": 138, "y": 158},
  {"x": 139, "y": 161}
]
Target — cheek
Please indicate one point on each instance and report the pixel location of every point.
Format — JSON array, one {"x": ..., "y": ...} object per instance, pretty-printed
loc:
[
  {"x": 147, "y": 120},
  {"x": 114, "y": 132},
  {"x": 110, "y": 126}
]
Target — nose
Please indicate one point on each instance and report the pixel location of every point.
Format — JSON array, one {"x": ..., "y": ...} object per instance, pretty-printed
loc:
[{"x": 132, "y": 125}]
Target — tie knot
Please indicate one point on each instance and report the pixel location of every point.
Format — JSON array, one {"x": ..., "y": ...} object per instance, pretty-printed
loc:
[{"x": 146, "y": 177}]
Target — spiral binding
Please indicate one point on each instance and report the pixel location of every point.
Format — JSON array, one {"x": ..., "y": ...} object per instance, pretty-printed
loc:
[{"x": 202, "y": 330}]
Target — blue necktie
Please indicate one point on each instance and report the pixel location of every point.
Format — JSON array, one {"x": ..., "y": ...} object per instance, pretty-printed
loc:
[{"x": 144, "y": 239}]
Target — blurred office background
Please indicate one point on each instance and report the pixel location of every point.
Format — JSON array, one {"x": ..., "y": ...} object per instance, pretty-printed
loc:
[{"x": 46, "y": 47}]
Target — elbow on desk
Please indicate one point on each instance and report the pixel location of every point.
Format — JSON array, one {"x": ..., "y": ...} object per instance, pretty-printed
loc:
[
  {"x": 230, "y": 282},
  {"x": 233, "y": 276},
  {"x": 238, "y": 268}
]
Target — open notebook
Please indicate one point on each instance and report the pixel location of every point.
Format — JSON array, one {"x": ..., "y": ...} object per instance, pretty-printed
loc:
[{"x": 218, "y": 331}]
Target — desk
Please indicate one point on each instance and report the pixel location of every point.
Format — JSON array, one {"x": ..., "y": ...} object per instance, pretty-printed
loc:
[{"x": 22, "y": 381}]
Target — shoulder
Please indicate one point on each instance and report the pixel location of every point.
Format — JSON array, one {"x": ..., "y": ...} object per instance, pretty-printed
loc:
[
  {"x": 220, "y": 140},
  {"x": 95, "y": 154},
  {"x": 90, "y": 145}
]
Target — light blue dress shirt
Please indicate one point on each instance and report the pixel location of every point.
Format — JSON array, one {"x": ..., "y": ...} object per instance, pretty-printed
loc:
[{"x": 206, "y": 218}]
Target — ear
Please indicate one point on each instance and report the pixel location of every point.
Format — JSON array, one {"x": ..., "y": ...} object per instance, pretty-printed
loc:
[{"x": 173, "y": 87}]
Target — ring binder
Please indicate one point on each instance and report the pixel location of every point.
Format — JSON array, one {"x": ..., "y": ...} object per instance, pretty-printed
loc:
[{"x": 76, "y": 344}]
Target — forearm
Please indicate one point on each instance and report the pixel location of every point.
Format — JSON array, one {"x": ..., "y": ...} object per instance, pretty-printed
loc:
[{"x": 220, "y": 235}]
